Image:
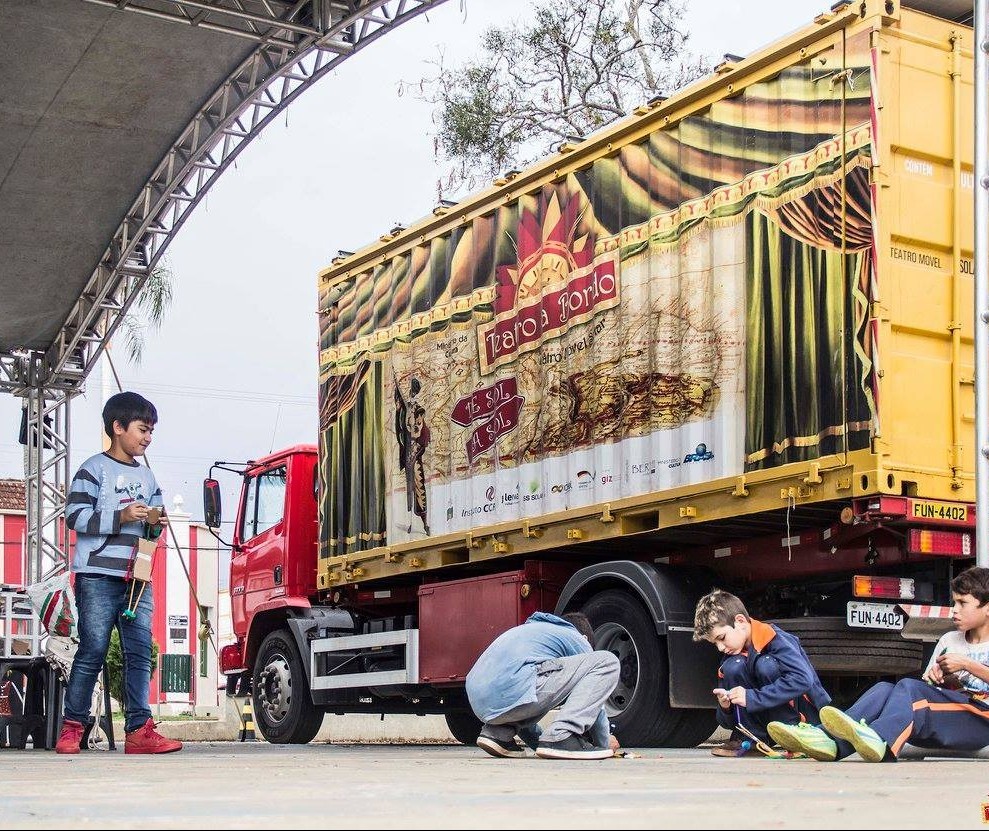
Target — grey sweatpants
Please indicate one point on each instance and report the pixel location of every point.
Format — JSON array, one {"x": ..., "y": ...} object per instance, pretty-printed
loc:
[{"x": 580, "y": 683}]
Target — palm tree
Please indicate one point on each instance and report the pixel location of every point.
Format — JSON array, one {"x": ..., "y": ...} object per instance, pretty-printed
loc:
[{"x": 149, "y": 311}]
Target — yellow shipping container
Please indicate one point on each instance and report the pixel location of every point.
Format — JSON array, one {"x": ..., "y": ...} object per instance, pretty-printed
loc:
[{"x": 739, "y": 311}]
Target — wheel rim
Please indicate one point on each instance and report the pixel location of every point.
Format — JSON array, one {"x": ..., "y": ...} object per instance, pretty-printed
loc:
[
  {"x": 275, "y": 693},
  {"x": 615, "y": 638}
]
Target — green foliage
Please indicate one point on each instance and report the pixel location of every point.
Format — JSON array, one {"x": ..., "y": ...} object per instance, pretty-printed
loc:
[
  {"x": 569, "y": 70},
  {"x": 148, "y": 311},
  {"x": 115, "y": 665}
]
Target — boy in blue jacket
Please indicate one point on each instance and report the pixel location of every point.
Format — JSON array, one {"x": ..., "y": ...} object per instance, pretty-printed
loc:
[
  {"x": 545, "y": 663},
  {"x": 766, "y": 677}
]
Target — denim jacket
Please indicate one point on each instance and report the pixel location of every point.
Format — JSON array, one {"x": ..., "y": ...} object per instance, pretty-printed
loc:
[{"x": 504, "y": 677}]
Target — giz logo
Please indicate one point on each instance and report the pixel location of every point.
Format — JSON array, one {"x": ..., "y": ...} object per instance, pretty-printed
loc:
[{"x": 606, "y": 478}]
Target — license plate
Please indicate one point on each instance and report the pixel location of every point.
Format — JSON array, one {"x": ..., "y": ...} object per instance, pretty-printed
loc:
[
  {"x": 874, "y": 616},
  {"x": 938, "y": 511}
]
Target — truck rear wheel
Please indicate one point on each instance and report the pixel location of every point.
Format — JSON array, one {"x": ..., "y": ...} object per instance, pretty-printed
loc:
[
  {"x": 464, "y": 725},
  {"x": 833, "y": 647},
  {"x": 639, "y": 707},
  {"x": 283, "y": 709}
]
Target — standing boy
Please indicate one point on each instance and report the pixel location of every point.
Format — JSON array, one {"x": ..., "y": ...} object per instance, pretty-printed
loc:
[
  {"x": 766, "y": 677},
  {"x": 108, "y": 506},
  {"x": 948, "y": 709},
  {"x": 546, "y": 662}
]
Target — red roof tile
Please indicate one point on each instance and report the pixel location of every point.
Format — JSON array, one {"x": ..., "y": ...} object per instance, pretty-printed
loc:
[{"x": 12, "y": 495}]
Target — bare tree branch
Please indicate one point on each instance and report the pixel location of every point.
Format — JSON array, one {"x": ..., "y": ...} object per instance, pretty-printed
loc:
[{"x": 571, "y": 69}]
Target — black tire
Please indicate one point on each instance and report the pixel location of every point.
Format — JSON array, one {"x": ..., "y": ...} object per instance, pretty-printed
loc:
[
  {"x": 695, "y": 726},
  {"x": 834, "y": 647},
  {"x": 464, "y": 725},
  {"x": 283, "y": 708},
  {"x": 640, "y": 705}
]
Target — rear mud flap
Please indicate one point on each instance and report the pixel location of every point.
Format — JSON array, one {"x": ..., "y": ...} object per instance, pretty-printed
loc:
[{"x": 693, "y": 668}]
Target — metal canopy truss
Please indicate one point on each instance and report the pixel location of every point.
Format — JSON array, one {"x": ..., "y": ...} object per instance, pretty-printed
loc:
[
  {"x": 277, "y": 22},
  {"x": 299, "y": 43},
  {"x": 48, "y": 472},
  {"x": 15, "y": 371}
]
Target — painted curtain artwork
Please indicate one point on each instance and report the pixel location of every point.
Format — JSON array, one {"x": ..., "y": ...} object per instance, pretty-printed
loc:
[{"x": 687, "y": 308}]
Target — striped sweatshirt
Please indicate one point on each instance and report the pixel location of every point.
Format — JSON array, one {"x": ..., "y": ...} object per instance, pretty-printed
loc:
[{"x": 100, "y": 490}]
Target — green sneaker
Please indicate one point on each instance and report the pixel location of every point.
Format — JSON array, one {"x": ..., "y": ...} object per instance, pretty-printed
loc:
[
  {"x": 866, "y": 741},
  {"x": 804, "y": 738}
]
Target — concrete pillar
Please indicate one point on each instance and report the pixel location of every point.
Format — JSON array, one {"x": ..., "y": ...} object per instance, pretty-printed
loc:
[
  {"x": 179, "y": 627},
  {"x": 207, "y": 563}
]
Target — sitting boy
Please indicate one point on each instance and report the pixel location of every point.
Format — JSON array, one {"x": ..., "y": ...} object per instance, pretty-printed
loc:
[
  {"x": 767, "y": 676},
  {"x": 948, "y": 709}
]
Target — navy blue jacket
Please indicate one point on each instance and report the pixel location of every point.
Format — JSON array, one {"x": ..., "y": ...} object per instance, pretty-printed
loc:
[{"x": 798, "y": 681}]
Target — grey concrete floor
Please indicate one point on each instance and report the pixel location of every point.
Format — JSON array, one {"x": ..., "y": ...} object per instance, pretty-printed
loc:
[{"x": 227, "y": 785}]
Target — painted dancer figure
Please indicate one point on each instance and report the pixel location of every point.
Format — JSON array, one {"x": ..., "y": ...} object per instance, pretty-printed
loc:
[
  {"x": 413, "y": 437},
  {"x": 948, "y": 709}
]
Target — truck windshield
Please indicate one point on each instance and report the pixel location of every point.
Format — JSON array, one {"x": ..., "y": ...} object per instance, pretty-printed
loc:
[{"x": 265, "y": 502}]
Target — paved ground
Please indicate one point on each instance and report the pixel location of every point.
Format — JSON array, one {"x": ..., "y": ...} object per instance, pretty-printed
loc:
[{"x": 226, "y": 785}]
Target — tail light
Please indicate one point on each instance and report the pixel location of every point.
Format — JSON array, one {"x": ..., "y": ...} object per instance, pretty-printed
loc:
[
  {"x": 897, "y": 588},
  {"x": 945, "y": 543},
  {"x": 231, "y": 659}
]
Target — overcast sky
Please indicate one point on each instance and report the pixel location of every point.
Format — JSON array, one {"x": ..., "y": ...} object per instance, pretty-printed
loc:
[{"x": 233, "y": 369}]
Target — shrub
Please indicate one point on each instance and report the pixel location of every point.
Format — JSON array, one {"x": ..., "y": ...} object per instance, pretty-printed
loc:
[{"x": 115, "y": 664}]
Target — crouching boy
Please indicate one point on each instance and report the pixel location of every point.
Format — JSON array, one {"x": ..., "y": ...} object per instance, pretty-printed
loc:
[{"x": 545, "y": 663}]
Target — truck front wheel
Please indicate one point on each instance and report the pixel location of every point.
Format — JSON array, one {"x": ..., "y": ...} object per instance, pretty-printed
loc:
[
  {"x": 639, "y": 707},
  {"x": 283, "y": 707}
]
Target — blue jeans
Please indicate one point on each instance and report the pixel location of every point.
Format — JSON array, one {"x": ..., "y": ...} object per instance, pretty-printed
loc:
[{"x": 100, "y": 601}]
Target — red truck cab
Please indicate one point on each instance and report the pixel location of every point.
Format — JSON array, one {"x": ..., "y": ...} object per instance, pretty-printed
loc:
[{"x": 273, "y": 564}]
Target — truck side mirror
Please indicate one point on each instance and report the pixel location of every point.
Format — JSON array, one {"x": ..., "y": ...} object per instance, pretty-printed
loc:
[{"x": 211, "y": 503}]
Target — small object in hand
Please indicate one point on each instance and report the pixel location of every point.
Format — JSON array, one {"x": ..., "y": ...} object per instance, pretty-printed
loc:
[
  {"x": 154, "y": 514},
  {"x": 143, "y": 560}
]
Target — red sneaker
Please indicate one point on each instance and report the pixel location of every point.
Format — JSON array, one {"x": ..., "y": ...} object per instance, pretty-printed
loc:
[
  {"x": 70, "y": 737},
  {"x": 148, "y": 740}
]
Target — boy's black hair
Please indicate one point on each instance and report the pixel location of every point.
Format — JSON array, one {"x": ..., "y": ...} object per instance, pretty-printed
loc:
[
  {"x": 581, "y": 623},
  {"x": 126, "y": 407},
  {"x": 973, "y": 581}
]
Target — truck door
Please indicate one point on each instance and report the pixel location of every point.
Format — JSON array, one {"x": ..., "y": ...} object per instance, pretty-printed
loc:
[{"x": 260, "y": 560}]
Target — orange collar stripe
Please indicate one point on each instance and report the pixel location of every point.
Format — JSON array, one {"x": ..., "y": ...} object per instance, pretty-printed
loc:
[{"x": 762, "y": 634}]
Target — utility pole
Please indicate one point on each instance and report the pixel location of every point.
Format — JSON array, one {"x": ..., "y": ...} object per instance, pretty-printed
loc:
[{"x": 981, "y": 284}]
